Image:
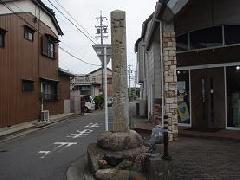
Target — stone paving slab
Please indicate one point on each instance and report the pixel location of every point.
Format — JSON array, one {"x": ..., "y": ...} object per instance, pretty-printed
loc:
[
  {"x": 204, "y": 159},
  {"x": 193, "y": 159}
]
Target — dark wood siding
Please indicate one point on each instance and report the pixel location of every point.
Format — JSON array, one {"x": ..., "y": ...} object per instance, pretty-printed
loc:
[
  {"x": 213, "y": 56},
  {"x": 22, "y": 59},
  {"x": 206, "y": 13},
  {"x": 57, "y": 107}
]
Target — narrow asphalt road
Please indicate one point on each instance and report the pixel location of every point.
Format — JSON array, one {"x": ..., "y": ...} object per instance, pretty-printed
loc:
[{"x": 47, "y": 153}]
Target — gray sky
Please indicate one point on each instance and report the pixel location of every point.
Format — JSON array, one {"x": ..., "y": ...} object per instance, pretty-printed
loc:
[{"x": 85, "y": 12}]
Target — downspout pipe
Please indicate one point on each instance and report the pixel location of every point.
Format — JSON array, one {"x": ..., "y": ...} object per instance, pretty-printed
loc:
[{"x": 161, "y": 6}]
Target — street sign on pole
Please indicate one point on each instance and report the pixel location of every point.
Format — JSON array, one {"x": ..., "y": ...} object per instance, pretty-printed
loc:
[
  {"x": 99, "y": 49},
  {"x": 104, "y": 52}
]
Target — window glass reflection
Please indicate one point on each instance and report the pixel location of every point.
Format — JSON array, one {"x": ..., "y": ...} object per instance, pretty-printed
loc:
[
  {"x": 233, "y": 96},
  {"x": 183, "y": 97}
]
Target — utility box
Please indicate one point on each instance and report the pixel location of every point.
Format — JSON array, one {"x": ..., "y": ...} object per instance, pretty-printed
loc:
[{"x": 45, "y": 115}]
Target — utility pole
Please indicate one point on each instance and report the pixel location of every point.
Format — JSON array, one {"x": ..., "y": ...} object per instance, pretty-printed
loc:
[
  {"x": 129, "y": 79},
  {"x": 135, "y": 84},
  {"x": 101, "y": 31}
]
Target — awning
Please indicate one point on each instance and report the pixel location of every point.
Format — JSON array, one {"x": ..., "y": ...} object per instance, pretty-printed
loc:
[
  {"x": 53, "y": 39},
  {"x": 48, "y": 79}
]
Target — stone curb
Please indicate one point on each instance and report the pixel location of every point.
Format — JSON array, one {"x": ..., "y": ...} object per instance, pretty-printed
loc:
[
  {"x": 143, "y": 131},
  {"x": 202, "y": 136},
  {"x": 49, "y": 123},
  {"x": 15, "y": 134},
  {"x": 32, "y": 128},
  {"x": 77, "y": 170}
]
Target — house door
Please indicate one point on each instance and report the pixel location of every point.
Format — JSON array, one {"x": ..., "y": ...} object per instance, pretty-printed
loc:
[{"x": 208, "y": 98}]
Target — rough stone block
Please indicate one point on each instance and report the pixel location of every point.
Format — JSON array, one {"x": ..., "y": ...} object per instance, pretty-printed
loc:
[
  {"x": 159, "y": 169},
  {"x": 94, "y": 155},
  {"x": 119, "y": 71},
  {"x": 106, "y": 174},
  {"x": 119, "y": 141},
  {"x": 168, "y": 79},
  {"x": 172, "y": 53}
]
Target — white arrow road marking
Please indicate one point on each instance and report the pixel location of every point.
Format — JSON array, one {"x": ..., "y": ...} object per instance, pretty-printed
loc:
[
  {"x": 45, "y": 153},
  {"x": 96, "y": 125},
  {"x": 87, "y": 126},
  {"x": 79, "y": 133},
  {"x": 66, "y": 144},
  {"x": 92, "y": 125}
]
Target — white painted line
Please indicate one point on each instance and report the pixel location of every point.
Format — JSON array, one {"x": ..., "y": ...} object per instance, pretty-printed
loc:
[
  {"x": 65, "y": 144},
  {"x": 87, "y": 126},
  {"x": 79, "y": 133},
  {"x": 45, "y": 153},
  {"x": 96, "y": 125},
  {"x": 92, "y": 125}
]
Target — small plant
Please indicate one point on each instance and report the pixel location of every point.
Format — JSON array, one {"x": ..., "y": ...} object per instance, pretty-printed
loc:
[{"x": 99, "y": 101}]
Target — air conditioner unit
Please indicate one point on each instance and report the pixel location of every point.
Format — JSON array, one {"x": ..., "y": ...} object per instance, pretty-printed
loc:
[{"x": 45, "y": 115}]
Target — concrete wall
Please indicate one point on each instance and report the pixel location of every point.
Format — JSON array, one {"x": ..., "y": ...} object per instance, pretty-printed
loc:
[
  {"x": 149, "y": 72},
  {"x": 97, "y": 75},
  {"x": 67, "y": 106},
  {"x": 157, "y": 71},
  {"x": 140, "y": 61}
]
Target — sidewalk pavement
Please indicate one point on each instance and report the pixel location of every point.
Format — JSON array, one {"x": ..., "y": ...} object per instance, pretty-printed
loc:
[
  {"x": 15, "y": 130},
  {"x": 142, "y": 125},
  {"x": 203, "y": 159},
  {"x": 192, "y": 158}
]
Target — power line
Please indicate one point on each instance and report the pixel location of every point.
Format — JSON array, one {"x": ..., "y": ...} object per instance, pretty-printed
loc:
[
  {"x": 74, "y": 19},
  {"x": 28, "y": 23},
  {"x": 72, "y": 55},
  {"x": 71, "y": 22},
  {"x": 20, "y": 17},
  {"x": 10, "y": 9}
]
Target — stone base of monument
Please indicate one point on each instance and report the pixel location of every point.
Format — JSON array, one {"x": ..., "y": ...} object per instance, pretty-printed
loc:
[{"x": 118, "y": 156}]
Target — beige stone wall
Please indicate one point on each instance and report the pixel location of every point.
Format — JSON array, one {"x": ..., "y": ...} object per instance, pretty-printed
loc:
[{"x": 170, "y": 77}]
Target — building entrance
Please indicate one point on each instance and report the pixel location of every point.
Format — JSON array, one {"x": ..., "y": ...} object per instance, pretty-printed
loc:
[{"x": 208, "y": 98}]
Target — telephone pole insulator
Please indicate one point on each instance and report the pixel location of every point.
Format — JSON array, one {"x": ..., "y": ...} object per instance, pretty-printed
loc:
[{"x": 102, "y": 31}]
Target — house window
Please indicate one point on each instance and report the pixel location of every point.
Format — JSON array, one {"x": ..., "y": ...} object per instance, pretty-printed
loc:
[
  {"x": 232, "y": 35},
  {"x": 49, "y": 91},
  {"x": 109, "y": 80},
  {"x": 183, "y": 97},
  {"x": 27, "y": 85},
  {"x": 182, "y": 42},
  {"x": 28, "y": 33},
  {"x": 2, "y": 38},
  {"x": 49, "y": 46},
  {"x": 50, "y": 49},
  {"x": 205, "y": 38}
]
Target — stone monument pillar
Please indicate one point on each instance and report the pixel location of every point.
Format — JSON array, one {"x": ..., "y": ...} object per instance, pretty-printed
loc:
[
  {"x": 119, "y": 72},
  {"x": 120, "y": 150}
]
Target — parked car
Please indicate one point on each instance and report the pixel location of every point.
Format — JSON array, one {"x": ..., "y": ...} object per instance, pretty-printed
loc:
[
  {"x": 89, "y": 104},
  {"x": 109, "y": 101}
]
